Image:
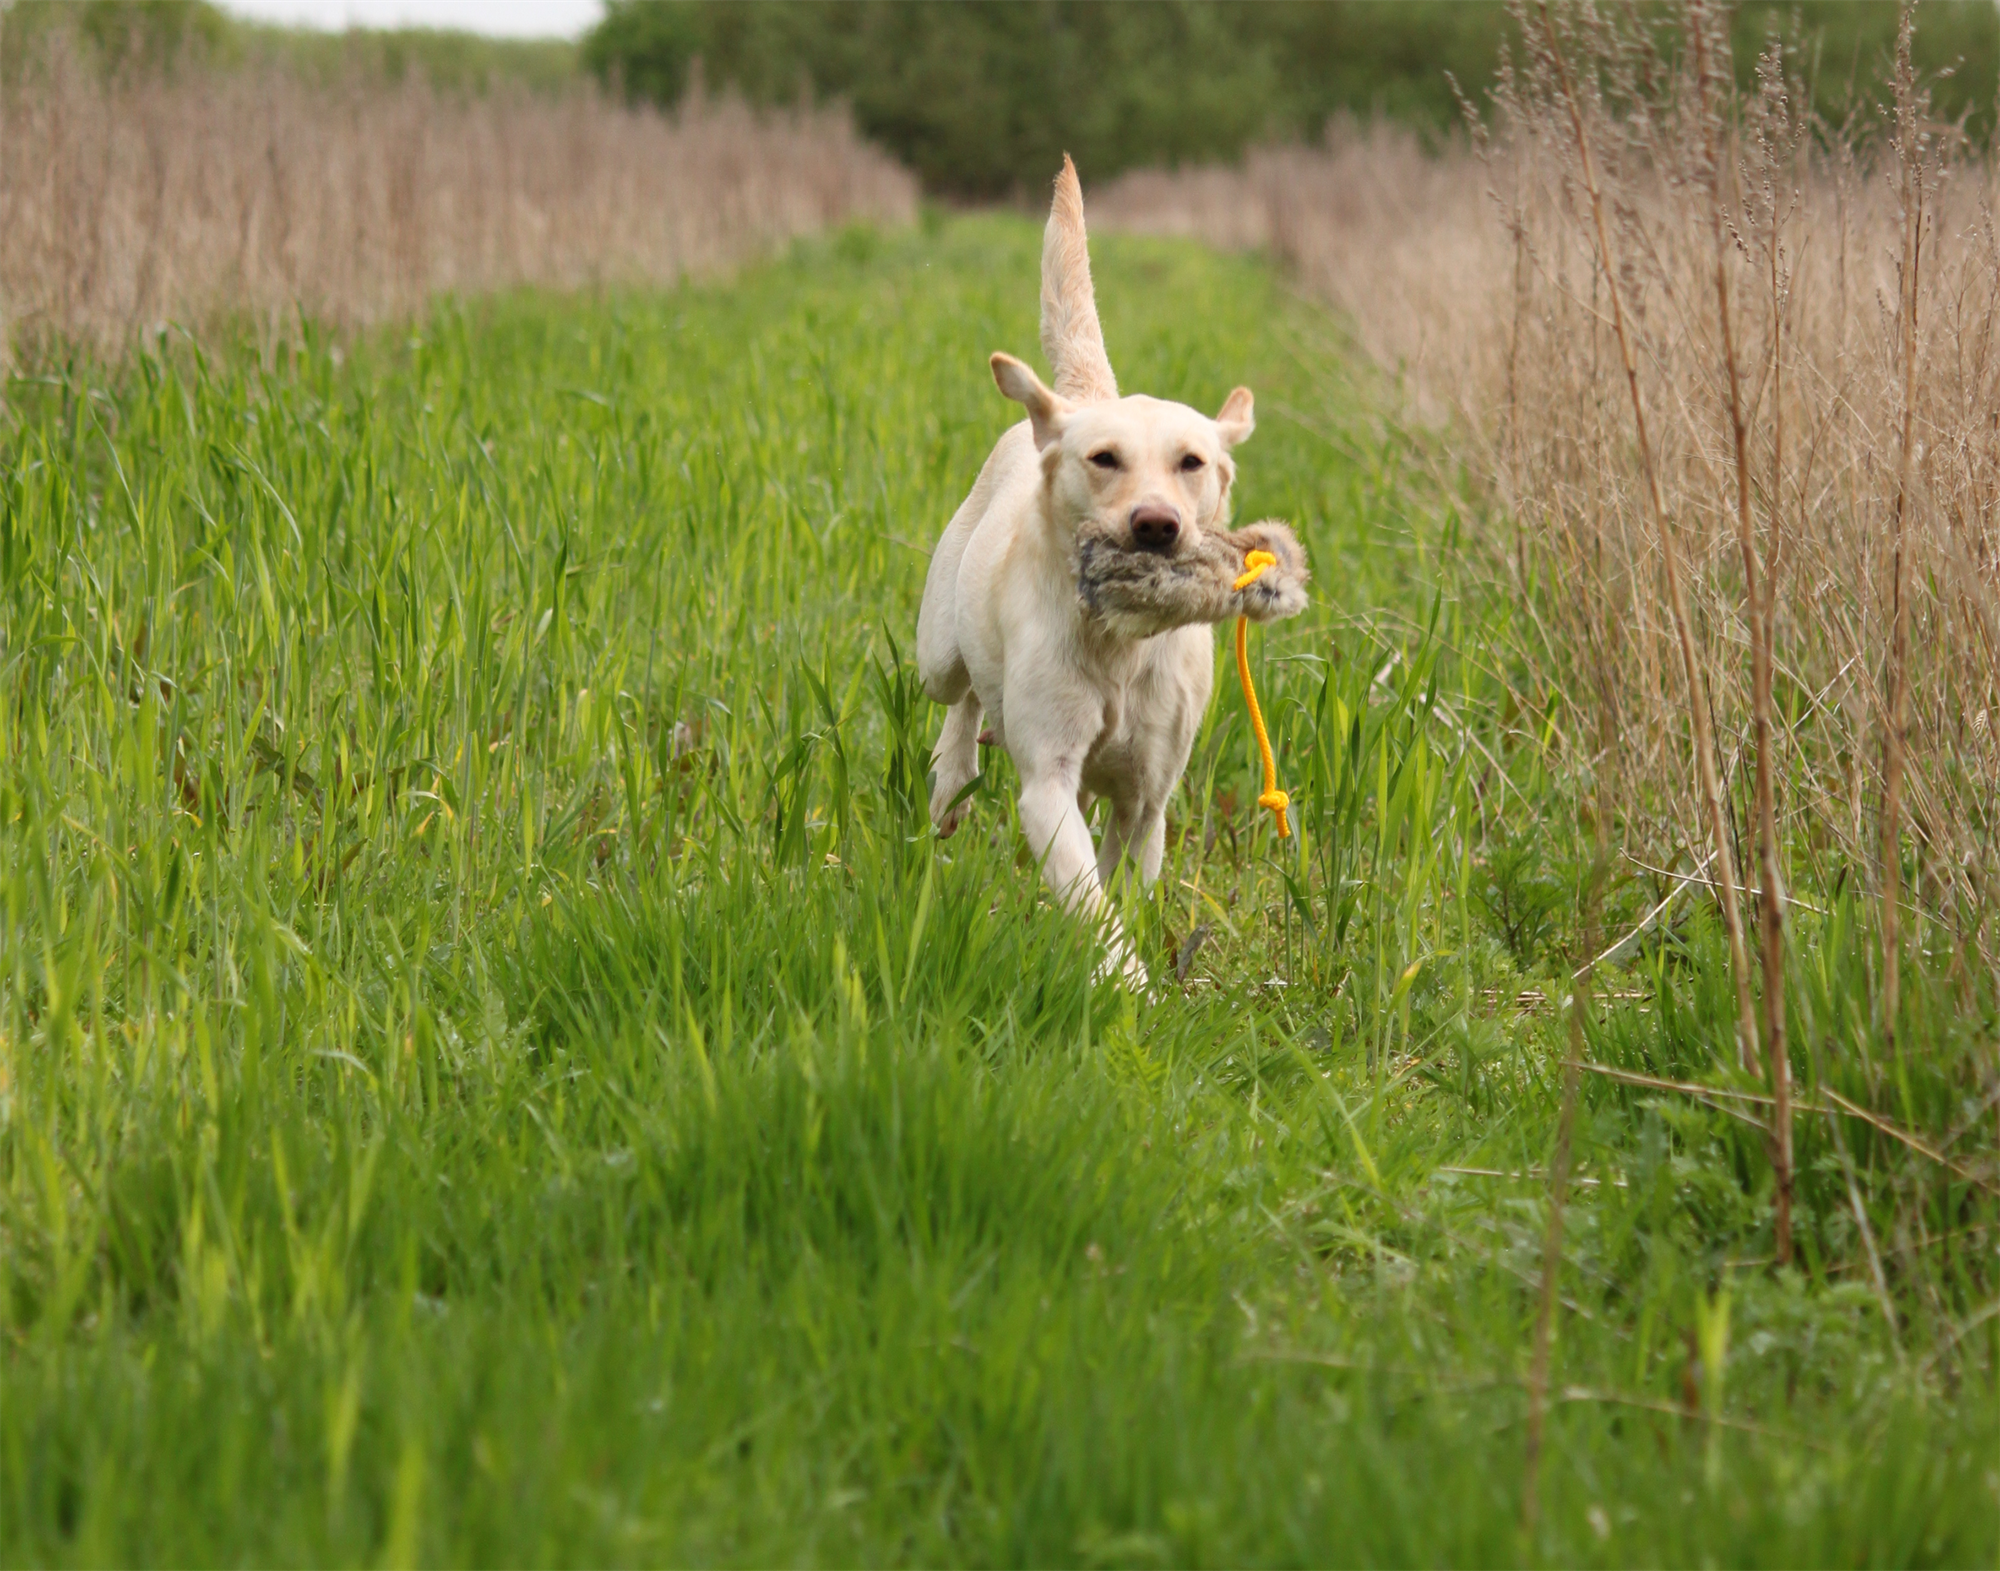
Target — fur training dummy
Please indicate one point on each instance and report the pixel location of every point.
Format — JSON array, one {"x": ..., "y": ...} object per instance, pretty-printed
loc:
[{"x": 1136, "y": 594}]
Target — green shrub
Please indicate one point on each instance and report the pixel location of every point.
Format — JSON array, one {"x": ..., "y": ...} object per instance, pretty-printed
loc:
[
  {"x": 978, "y": 100},
  {"x": 1850, "y": 51},
  {"x": 157, "y": 35},
  {"x": 119, "y": 33},
  {"x": 982, "y": 100},
  {"x": 1397, "y": 60},
  {"x": 446, "y": 59}
]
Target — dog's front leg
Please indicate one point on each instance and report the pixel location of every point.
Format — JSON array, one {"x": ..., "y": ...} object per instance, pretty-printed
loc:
[
  {"x": 1137, "y": 838},
  {"x": 1133, "y": 838},
  {"x": 1060, "y": 840},
  {"x": 1117, "y": 839},
  {"x": 1058, "y": 836},
  {"x": 1149, "y": 845},
  {"x": 1164, "y": 706}
]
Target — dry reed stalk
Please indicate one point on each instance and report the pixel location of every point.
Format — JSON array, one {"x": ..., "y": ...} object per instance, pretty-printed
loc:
[
  {"x": 1365, "y": 220},
  {"x": 1780, "y": 139},
  {"x": 1809, "y": 338},
  {"x": 1911, "y": 195},
  {"x": 1476, "y": 280},
  {"x": 1698, "y": 709},
  {"x": 202, "y": 197},
  {"x": 1559, "y": 1166},
  {"x": 1704, "y": 36},
  {"x": 1552, "y": 1243}
]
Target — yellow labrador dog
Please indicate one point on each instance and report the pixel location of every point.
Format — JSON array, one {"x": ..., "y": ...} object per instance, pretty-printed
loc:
[{"x": 1069, "y": 602}]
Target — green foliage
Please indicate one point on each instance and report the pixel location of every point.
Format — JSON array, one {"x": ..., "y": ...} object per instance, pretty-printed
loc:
[
  {"x": 979, "y": 100},
  {"x": 160, "y": 35},
  {"x": 1364, "y": 58},
  {"x": 494, "y": 1066},
  {"x": 1848, "y": 49},
  {"x": 150, "y": 32},
  {"x": 445, "y": 59},
  {"x": 122, "y": 34},
  {"x": 983, "y": 99}
]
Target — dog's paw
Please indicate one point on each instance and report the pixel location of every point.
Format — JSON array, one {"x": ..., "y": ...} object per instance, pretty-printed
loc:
[
  {"x": 1121, "y": 964},
  {"x": 1280, "y": 590}
]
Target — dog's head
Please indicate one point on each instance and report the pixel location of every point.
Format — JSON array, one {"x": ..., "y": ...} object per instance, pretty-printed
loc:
[{"x": 1137, "y": 472}]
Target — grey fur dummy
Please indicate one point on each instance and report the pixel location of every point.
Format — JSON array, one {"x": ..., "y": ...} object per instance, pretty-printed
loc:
[{"x": 1136, "y": 594}]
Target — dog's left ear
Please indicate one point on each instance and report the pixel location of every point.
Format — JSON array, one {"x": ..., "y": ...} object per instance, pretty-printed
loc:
[{"x": 1237, "y": 418}]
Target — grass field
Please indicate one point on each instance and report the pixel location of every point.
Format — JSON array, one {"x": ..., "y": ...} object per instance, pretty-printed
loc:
[{"x": 497, "y": 1068}]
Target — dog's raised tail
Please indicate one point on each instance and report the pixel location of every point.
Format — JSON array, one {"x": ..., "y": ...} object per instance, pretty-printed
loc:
[{"x": 1071, "y": 336}]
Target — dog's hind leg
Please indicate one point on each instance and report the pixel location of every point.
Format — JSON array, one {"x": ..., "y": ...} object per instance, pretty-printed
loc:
[
  {"x": 955, "y": 764},
  {"x": 940, "y": 664},
  {"x": 1166, "y": 705}
]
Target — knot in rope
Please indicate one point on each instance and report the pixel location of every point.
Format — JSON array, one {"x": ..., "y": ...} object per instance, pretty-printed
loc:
[{"x": 1253, "y": 568}]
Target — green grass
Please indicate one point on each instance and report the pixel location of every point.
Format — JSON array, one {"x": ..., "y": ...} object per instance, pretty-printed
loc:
[
  {"x": 496, "y": 1067},
  {"x": 165, "y": 35}
]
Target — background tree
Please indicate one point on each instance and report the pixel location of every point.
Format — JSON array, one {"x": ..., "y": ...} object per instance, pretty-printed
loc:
[{"x": 982, "y": 100}]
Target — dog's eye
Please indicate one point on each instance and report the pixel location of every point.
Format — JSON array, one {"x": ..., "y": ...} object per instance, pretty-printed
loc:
[
  {"x": 1105, "y": 460},
  {"x": 1191, "y": 463}
]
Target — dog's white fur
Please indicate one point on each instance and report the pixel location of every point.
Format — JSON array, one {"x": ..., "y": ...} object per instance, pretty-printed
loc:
[{"x": 1087, "y": 704}]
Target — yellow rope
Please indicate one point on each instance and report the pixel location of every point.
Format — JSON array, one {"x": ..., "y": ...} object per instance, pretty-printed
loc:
[{"x": 1277, "y": 801}]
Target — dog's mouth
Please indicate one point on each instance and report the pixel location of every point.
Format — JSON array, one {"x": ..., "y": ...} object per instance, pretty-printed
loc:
[{"x": 1109, "y": 534}]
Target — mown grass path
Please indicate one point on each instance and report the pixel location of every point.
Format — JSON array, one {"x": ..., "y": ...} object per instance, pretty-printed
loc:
[{"x": 496, "y": 1068}]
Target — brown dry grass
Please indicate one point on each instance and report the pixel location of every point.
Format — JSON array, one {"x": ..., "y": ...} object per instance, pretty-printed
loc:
[
  {"x": 196, "y": 196},
  {"x": 1477, "y": 279}
]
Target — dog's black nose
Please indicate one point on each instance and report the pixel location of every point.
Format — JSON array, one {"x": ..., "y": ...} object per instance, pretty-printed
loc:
[{"x": 1154, "y": 527}]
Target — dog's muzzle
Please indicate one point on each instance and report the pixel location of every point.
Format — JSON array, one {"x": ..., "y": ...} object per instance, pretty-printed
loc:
[{"x": 1155, "y": 528}]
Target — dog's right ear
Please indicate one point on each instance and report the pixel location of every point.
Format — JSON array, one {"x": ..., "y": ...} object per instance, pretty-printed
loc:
[
  {"x": 1237, "y": 418},
  {"x": 1046, "y": 410}
]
